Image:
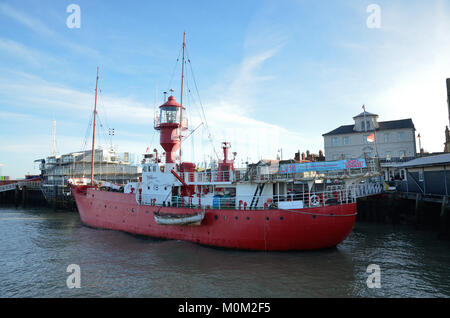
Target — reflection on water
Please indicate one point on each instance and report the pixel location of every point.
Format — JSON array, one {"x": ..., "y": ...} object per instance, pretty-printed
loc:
[{"x": 37, "y": 245}]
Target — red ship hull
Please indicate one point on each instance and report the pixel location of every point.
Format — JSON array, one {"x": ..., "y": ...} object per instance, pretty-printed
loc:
[{"x": 264, "y": 230}]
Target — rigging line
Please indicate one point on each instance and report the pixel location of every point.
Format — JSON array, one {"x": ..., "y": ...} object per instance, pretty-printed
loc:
[
  {"x": 189, "y": 95},
  {"x": 153, "y": 137},
  {"x": 103, "y": 108},
  {"x": 102, "y": 132},
  {"x": 201, "y": 105},
  {"x": 196, "y": 87},
  {"x": 192, "y": 101},
  {"x": 201, "y": 124},
  {"x": 173, "y": 71},
  {"x": 86, "y": 136}
]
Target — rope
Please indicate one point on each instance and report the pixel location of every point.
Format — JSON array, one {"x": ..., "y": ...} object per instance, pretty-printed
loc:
[
  {"x": 319, "y": 214},
  {"x": 201, "y": 105},
  {"x": 174, "y": 68}
]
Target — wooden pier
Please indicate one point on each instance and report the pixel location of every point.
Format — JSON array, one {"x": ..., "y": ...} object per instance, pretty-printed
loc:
[
  {"x": 22, "y": 192},
  {"x": 424, "y": 212}
]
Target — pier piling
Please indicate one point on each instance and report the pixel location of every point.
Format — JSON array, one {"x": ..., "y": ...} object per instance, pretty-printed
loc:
[{"x": 443, "y": 222}]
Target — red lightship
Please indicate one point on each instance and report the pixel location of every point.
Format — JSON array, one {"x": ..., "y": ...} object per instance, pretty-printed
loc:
[{"x": 268, "y": 206}]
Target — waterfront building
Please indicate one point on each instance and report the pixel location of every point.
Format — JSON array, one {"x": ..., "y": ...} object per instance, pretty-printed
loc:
[{"x": 393, "y": 142}]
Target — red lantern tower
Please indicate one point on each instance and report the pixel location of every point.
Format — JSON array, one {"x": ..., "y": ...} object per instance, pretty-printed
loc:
[{"x": 170, "y": 125}]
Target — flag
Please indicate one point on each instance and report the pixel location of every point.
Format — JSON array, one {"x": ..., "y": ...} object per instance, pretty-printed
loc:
[
  {"x": 146, "y": 150},
  {"x": 371, "y": 138}
]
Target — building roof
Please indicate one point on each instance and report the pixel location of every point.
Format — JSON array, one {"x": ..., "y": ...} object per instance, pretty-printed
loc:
[
  {"x": 383, "y": 125},
  {"x": 364, "y": 113},
  {"x": 435, "y": 160}
]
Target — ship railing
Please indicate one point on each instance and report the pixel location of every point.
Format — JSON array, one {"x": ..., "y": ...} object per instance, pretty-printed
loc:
[
  {"x": 207, "y": 177},
  {"x": 313, "y": 199}
]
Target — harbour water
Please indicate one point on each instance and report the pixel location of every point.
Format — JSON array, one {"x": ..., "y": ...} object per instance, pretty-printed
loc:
[{"x": 38, "y": 244}]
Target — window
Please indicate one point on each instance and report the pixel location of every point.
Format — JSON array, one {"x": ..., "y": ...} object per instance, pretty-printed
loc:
[
  {"x": 346, "y": 140},
  {"x": 400, "y": 136},
  {"x": 363, "y": 125},
  {"x": 387, "y": 138},
  {"x": 402, "y": 154},
  {"x": 388, "y": 155},
  {"x": 421, "y": 178},
  {"x": 368, "y": 125},
  {"x": 335, "y": 142},
  {"x": 169, "y": 114}
]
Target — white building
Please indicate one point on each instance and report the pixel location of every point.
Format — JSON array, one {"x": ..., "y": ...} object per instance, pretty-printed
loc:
[{"x": 391, "y": 141}]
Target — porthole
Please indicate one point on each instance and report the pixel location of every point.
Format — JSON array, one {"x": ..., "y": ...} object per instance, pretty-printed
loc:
[
  {"x": 281, "y": 218},
  {"x": 215, "y": 217}
]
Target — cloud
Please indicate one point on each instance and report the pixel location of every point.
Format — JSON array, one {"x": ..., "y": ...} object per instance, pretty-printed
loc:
[
  {"x": 18, "y": 50},
  {"x": 43, "y": 30},
  {"x": 25, "y": 20},
  {"x": 44, "y": 98},
  {"x": 411, "y": 67}
]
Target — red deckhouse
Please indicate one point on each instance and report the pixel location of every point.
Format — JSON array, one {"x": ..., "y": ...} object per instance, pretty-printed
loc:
[{"x": 260, "y": 207}]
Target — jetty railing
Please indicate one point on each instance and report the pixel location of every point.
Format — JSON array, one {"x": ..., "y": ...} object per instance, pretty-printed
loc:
[{"x": 20, "y": 184}]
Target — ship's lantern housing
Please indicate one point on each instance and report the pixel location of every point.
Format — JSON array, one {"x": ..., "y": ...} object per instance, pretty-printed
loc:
[{"x": 170, "y": 115}]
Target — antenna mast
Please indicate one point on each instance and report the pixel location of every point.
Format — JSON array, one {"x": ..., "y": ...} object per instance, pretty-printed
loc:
[
  {"x": 93, "y": 133},
  {"x": 181, "y": 99}
]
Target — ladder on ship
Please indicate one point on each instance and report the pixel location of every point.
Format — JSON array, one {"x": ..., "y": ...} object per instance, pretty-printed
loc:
[{"x": 256, "y": 196}]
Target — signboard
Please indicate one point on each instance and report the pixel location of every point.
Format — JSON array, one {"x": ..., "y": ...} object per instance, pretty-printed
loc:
[{"x": 323, "y": 166}]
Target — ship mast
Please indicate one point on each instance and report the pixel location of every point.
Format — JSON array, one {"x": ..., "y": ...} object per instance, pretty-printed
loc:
[
  {"x": 181, "y": 99},
  {"x": 93, "y": 133}
]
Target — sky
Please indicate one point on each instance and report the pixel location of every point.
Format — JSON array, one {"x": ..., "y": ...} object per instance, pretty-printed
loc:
[{"x": 268, "y": 75}]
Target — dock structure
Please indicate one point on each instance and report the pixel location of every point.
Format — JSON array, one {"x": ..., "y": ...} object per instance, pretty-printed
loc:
[
  {"x": 427, "y": 180},
  {"x": 21, "y": 192},
  {"x": 420, "y": 197}
]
